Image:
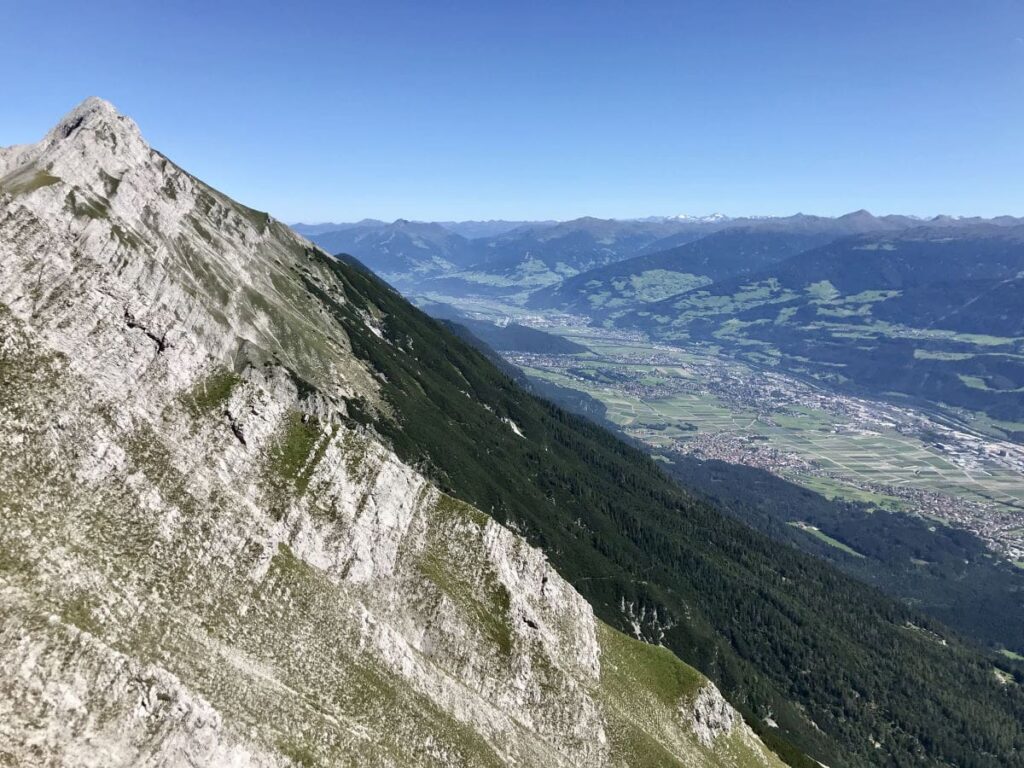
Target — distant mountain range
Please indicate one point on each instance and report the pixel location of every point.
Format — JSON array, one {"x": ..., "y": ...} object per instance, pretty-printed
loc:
[
  {"x": 501, "y": 258},
  {"x": 658, "y": 275},
  {"x": 935, "y": 313},
  {"x": 467, "y": 229},
  {"x": 400, "y": 251},
  {"x": 493, "y": 258},
  {"x": 886, "y": 305}
]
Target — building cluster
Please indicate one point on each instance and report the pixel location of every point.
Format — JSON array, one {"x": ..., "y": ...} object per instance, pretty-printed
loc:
[{"x": 657, "y": 373}]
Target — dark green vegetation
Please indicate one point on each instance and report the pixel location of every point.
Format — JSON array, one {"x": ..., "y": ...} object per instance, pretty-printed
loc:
[
  {"x": 835, "y": 664},
  {"x": 505, "y": 338},
  {"x": 946, "y": 572},
  {"x": 931, "y": 314}
]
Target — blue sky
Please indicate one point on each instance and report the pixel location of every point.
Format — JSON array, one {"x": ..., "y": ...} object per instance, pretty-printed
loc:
[{"x": 442, "y": 110}]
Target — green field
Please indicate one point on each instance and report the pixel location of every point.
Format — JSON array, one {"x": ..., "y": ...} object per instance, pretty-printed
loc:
[
  {"x": 881, "y": 466},
  {"x": 816, "y": 533},
  {"x": 856, "y": 461}
]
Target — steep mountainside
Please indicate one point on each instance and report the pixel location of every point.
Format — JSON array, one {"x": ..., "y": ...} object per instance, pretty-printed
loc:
[
  {"x": 403, "y": 252},
  {"x": 535, "y": 256},
  {"x": 644, "y": 279},
  {"x": 205, "y": 560},
  {"x": 947, "y": 572},
  {"x": 788, "y": 638},
  {"x": 510, "y": 337},
  {"x": 932, "y": 313}
]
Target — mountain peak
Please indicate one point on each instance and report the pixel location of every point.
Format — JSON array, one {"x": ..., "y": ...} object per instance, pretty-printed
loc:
[
  {"x": 93, "y": 107},
  {"x": 710, "y": 218},
  {"x": 89, "y": 146},
  {"x": 93, "y": 115}
]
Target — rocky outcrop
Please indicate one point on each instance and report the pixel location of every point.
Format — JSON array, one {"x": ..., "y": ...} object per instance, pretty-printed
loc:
[
  {"x": 204, "y": 561},
  {"x": 712, "y": 716}
]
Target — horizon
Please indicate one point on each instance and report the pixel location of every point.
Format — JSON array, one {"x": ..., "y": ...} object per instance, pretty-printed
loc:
[
  {"x": 652, "y": 217},
  {"x": 463, "y": 112}
]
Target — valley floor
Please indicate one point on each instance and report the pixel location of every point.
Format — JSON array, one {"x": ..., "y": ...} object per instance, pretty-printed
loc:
[{"x": 699, "y": 401}]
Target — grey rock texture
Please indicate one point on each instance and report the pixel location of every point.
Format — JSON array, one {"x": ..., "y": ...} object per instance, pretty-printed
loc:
[{"x": 202, "y": 562}]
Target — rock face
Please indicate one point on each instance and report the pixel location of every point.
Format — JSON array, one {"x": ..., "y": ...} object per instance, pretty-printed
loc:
[
  {"x": 712, "y": 715},
  {"x": 205, "y": 561}
]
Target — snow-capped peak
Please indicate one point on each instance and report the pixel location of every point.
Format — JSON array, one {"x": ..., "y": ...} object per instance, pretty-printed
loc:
[{"x": 711, "y": 218}]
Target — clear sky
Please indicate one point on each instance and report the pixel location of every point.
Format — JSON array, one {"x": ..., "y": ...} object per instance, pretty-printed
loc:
[{"x": 451, "y": 110}]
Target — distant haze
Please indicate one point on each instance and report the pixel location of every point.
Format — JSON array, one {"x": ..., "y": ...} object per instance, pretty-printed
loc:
[{"x": 472, "y": 229}]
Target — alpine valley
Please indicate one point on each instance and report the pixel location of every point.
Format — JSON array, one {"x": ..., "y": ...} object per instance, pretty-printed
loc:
[{"x": 259, "y": 509}]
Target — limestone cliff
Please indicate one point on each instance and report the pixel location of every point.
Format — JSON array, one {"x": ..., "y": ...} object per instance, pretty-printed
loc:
[{"x": 205, "y": 561}]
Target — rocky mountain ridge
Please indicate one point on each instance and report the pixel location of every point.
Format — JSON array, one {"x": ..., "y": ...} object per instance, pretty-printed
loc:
[{"x": 206, "y": 561}]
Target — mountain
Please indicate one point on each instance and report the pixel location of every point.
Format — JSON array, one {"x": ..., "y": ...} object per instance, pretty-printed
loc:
[
  {"x": 510, "y": 259},
  {"x": 678, "y": 263},
  {"x": 643, "y": 279},
  {"x": 572, "y": 246},
  {"x": 470, "y": 230},
  {"x": 320, "y": 229},
  {"x": 474, "y": 230},
  {"x": 824, "y": 227},
  {"x": 711, "y": 218},
  {"x": 207, "y": 560},
  {"x": 259, "y": 509},
  {"x": 931, "y": 313},
  {"x": 403, "y": 252},
  {"x": 536, "y": 256}
]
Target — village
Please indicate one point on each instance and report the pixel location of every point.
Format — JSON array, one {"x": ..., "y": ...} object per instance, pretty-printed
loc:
[{"x": 717, "y": 408}]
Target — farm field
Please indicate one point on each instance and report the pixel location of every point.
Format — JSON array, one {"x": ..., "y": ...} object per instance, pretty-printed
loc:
[
  {"x": 701, "y": 402},
  {"x": 877, "y": 458},
  {"x": 698, "y": 400}
]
